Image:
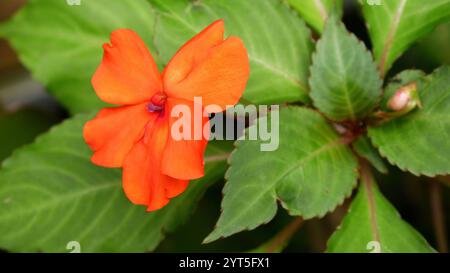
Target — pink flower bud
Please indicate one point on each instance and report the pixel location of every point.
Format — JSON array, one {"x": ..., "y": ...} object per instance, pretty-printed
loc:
[{"x": 402, "y": 98}]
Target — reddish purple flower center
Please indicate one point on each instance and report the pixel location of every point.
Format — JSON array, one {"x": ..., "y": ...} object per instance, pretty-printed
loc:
[{"x": 157, "y": 102}]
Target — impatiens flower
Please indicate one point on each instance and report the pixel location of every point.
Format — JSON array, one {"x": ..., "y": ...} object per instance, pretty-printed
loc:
[{"x": 136, "y": 135}]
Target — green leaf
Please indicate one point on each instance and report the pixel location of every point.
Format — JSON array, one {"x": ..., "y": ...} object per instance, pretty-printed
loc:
[
  {"x": 372, "y": 221},
  {"x": 402, "y": 79},
  {"x": 52, "y": 194},
  {"x": 278, "y": 42},
  {"x": 344, "y": 81},
  {"x": 396, "y": 24},
  {"x": 419, "y": 142},
  {"x": 62, "y": 44},
  {"x": 310, "y": 173},
  {"x": 316, "y": 12},
  {"x": 364, "y": 148}
]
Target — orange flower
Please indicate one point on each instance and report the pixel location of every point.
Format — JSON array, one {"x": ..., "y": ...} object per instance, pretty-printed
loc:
[{"x": 136, "y": 135}]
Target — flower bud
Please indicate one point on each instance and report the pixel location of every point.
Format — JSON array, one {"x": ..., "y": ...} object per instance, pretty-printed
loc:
[
  {"x": 405, "y": 99},
  {"x": 399, "y": 101}
]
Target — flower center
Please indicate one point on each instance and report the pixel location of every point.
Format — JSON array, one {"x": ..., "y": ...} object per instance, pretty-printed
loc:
[{"x": 157, "y": 102}]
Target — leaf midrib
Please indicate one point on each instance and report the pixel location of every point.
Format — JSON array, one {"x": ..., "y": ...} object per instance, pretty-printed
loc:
[
  {"x": 367, "y": 183},
  {"x": 343, "y": 71},
  {"x": 61, "y": 199},
  {"x": 321, "y": 8},
  {"x": 90, "y": 190},
  {"x": 391, "y": 36}
]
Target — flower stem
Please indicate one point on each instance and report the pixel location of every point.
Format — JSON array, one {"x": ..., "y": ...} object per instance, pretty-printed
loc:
[
  {"x": 215, "y": 158},
  {"x": 367, "y": 181},
  {"x": 437, "y": 214},
  {"x": 281, "y": 240},
  {"x": 444, "y": 179}
]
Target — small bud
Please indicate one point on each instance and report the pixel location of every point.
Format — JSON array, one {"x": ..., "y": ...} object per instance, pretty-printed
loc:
[
  {"x": 399, "y": 101},
  {"x": 405, "y": 99}
]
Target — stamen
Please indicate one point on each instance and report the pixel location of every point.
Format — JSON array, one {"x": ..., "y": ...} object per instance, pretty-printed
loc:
[
  {"x": 154, "y": 108},
  {"x": 157, "y": 102}
]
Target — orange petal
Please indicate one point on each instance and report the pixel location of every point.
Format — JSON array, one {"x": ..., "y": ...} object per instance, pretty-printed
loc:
[
  {"x": 114, "y": 131},
  {"x": 183, "y": 154},
  {"x": 127, "y": 74},
  {"x": 220, "y": 78},
  {"x": 192, "y": 53},
  {"x": 175, "y": 187},
  {"x": 143, "y": 181}
]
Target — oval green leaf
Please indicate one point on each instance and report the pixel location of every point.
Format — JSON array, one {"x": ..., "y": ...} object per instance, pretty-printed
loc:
[
  {"x": 373, "y": 225},
  {"x": 310, "y": 173},
  {"x": 419, "y": 142},
  {"x": 395, "y": 25},
  {"x": 344, "y": 81},
  {"x": 51, "y": 194}
]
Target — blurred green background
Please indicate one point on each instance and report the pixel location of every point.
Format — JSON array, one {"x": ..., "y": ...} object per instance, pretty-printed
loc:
[{"x": 26, "y": 110}]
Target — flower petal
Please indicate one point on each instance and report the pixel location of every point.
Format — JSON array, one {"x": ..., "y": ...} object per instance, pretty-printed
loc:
[
  {"x": 127, "y": 74},
  {"x": 114, "y": 131},
  {"x": 191, "y": 53},
  {"x": 175, "y": 187},
  {"x": 143, "y": 181},
  {"x": 183, "y": 154},
  {"x": 219, "y": 78}
]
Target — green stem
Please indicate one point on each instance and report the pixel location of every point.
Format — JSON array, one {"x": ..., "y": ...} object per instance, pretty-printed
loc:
[
  {"x": 215, "y": 158},
  {"x": 281, "y": 240}
]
